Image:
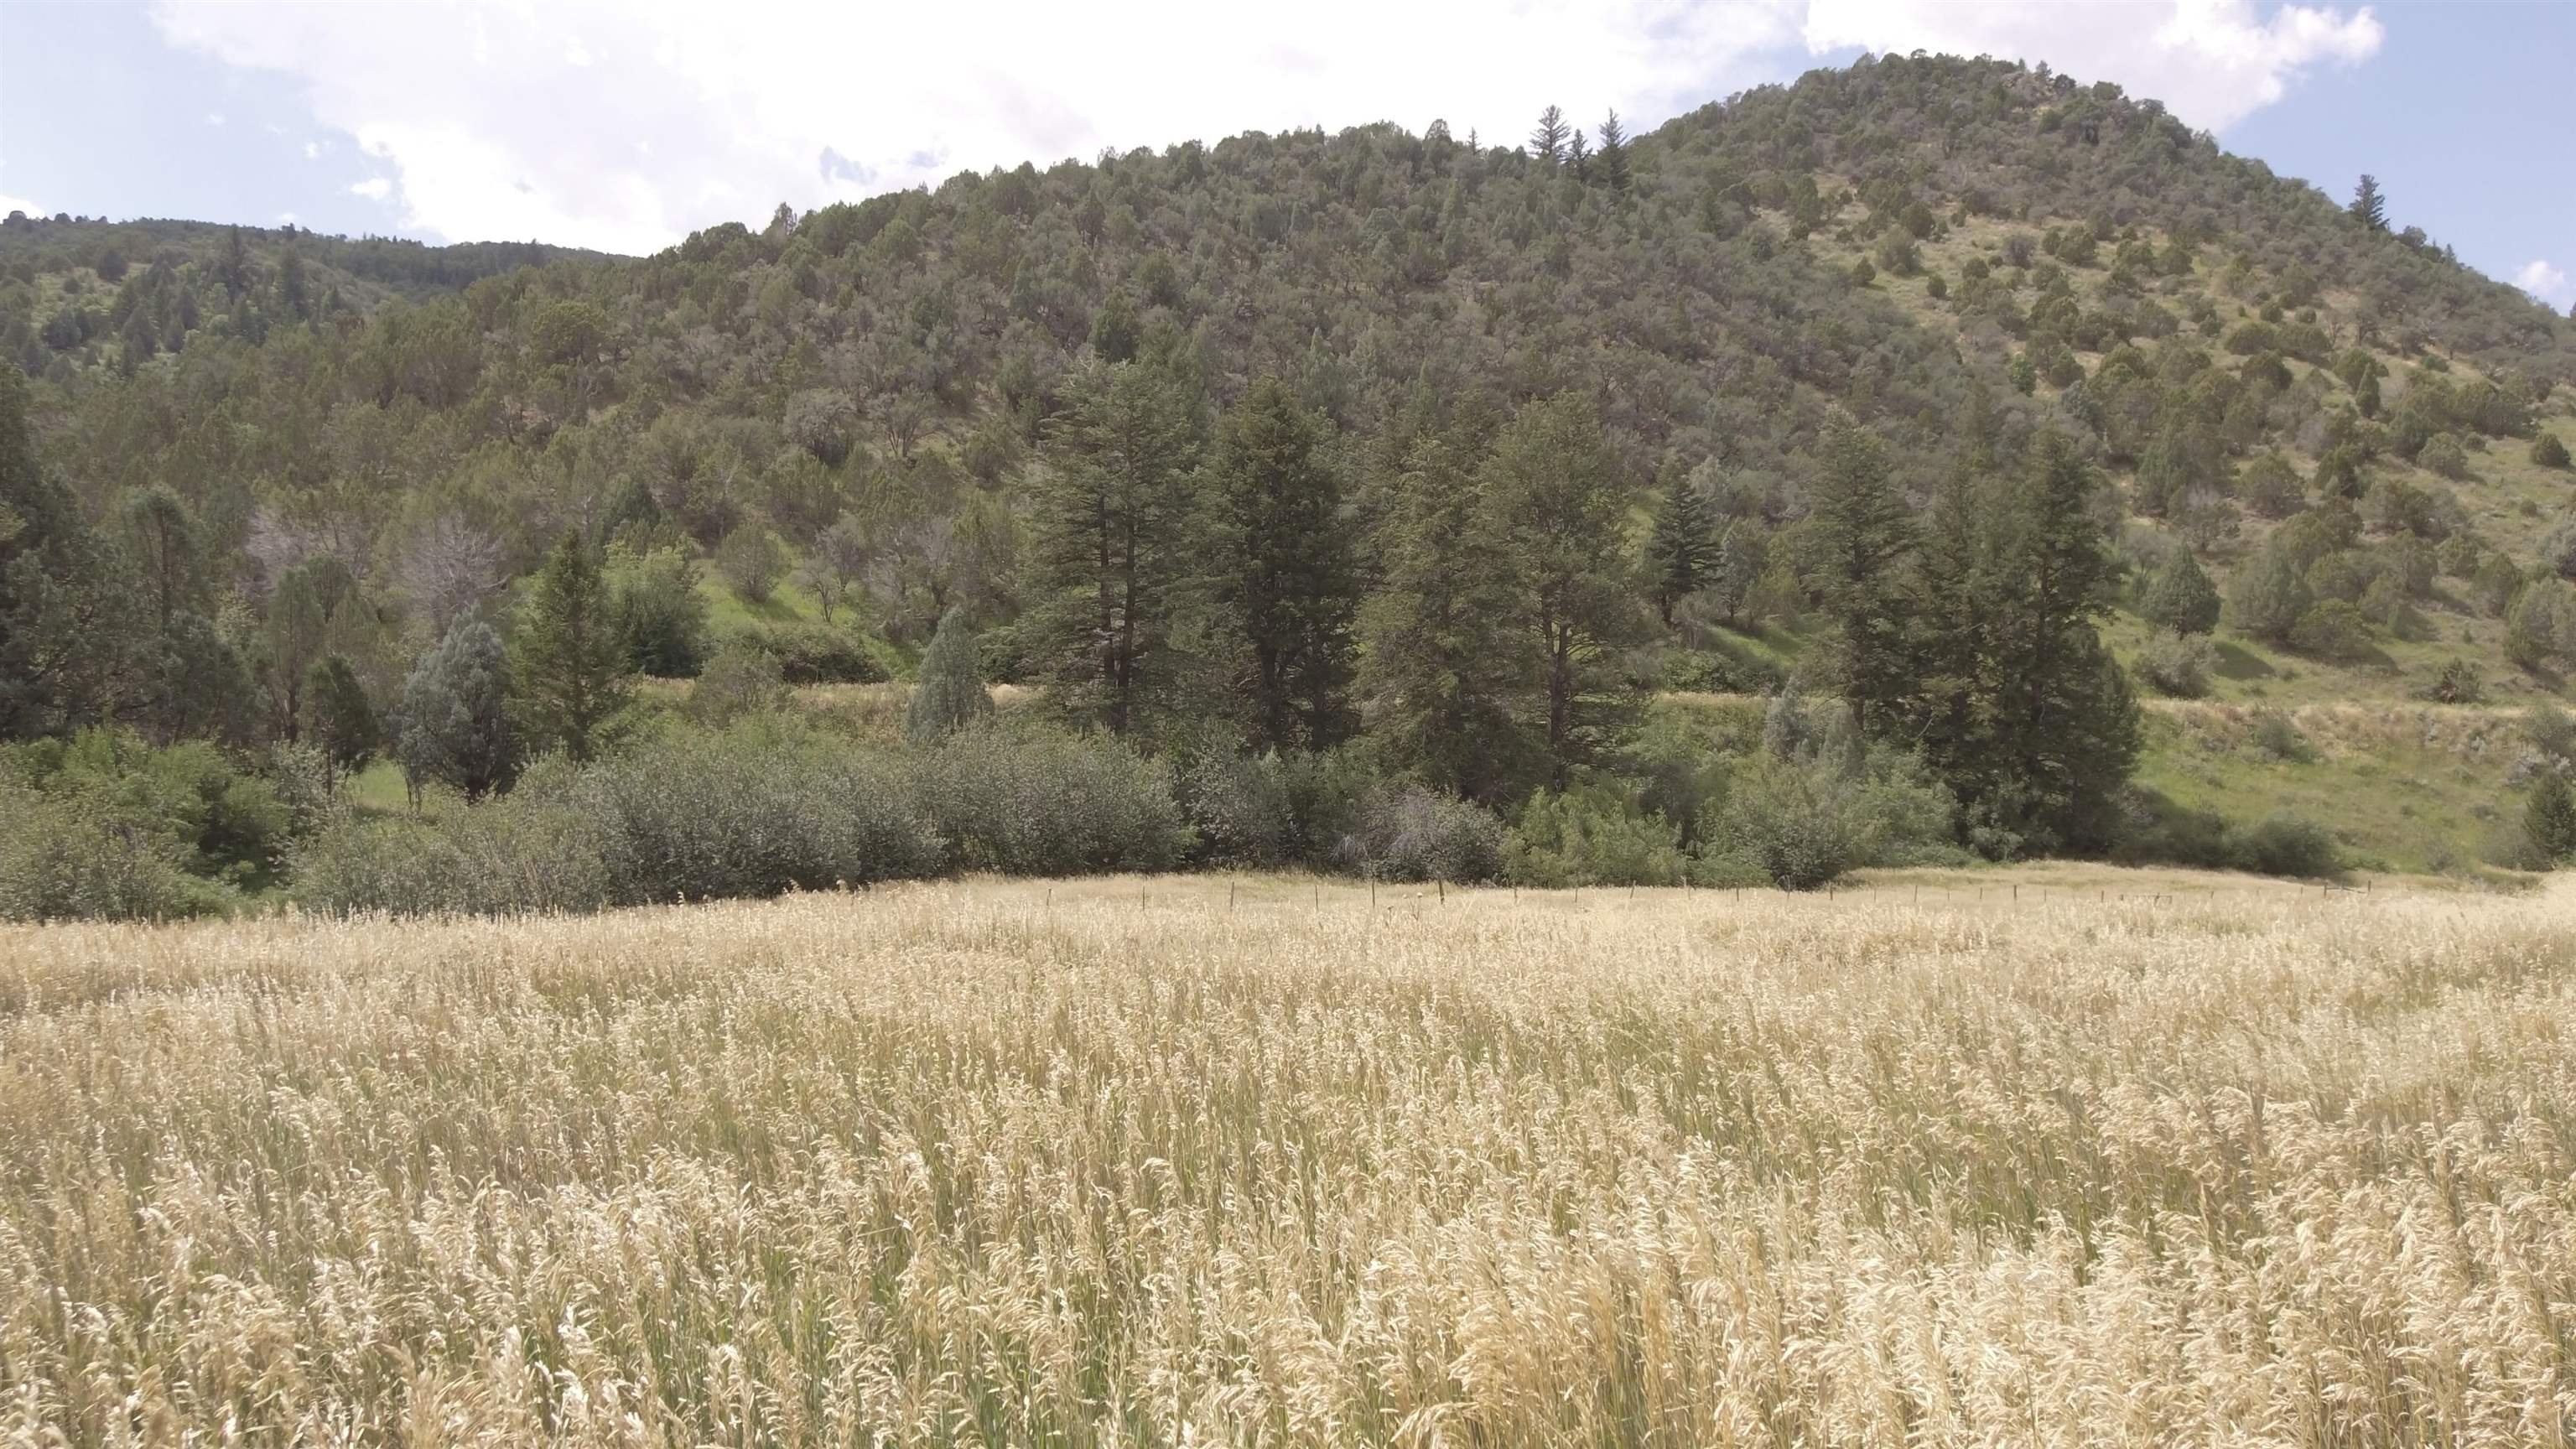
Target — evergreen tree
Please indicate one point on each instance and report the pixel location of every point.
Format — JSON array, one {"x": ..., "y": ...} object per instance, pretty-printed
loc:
[
  {"x": 69, "y": 626},
  {"x": 2536, "y": 625},
  {"x": 2549, "y": 817},
  {"x": 1862, "y": 533},
  {"x": 1444, "y": 671},
  {"x": 454, "y": 720},
  {"x": 339, "y": 718},
  {"x": 2064, "y": 723},
  {"x": 161, "y": 538},
  {"x": 1741, "y": 560},
  {"x": 571, "y": 671},
  {"x": 1109, "y": 547},
  {"x": 1554, "y": 481},
  {"x": 302, "y": 611},
  {"x": 1283, "y": 570},
  {"x": 2269, "y": 596},
  {"x": 1547, "y": 142},
  {"x": 951, "y": 693},
  {"x": 1611, "y": 160},
  {"x": 2181, "y": 597},
  {"x": 1681, "y": 555},
  {"x": 2369, "y": 207}
]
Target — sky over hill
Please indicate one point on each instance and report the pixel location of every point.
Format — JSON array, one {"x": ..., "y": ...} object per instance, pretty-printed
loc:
[{"x": 625, "y": 129}]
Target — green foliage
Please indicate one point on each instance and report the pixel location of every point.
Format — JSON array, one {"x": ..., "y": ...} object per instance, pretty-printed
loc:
[
  {"x": 1282, "y": 560},
  {"x": 2269, "y": 595},
  {"x": 813, "y": 653},
  {"x": 2332, "y": 629},
  {"x": 2287, "y": 844},
  {"x": 1593, "y": 835},
  {"x": 2549, "y": 817},
  {"x": 67, "y": 625},
  {"x": 1859, "y": 532},
  {"x": 1414, "y": 834},
  {"x": 950, "y": 695},
  {"x": 2177, "y": 665},
  {"x": 453, "y": 725},
  {"x": 658, "y": 613},
  {"x": 743, "y": 679},
  {"x": 2548, "y": 452},
  {"x": 752, "y": 563},
  {"x": 2180, "y": 597},
  {"x": 1044, "y": 804},
  {"x": 339, "y": 718},
  {"x": 570, "y": 669},
  {"x": 1684, "y": 556}
]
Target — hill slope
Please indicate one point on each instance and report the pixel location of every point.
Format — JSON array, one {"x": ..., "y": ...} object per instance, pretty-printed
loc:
[{"x": 2258, "y": 371}]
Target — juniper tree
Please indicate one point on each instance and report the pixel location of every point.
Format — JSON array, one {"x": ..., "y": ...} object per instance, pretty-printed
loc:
[
  {"x": 2549, "y": 817},
  {"x": 2180, "y": 597},
  {"x": 454, "y": 720},
  {"x": 950, "y": 694}
]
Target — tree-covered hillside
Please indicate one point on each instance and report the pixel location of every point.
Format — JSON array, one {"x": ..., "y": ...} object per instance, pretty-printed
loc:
[{"x": 1424, "y": 439}]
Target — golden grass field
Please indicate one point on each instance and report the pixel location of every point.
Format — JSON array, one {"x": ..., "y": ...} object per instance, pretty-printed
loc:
[{"x": 2156, "y": 1159}]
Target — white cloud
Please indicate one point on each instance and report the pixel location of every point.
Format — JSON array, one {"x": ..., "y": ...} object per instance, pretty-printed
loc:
[
  {"x": 2547, "y": 282},
  {"x": 689, "y": 114},
  {"x": 628, "y": 126},
  {"x": 214, "y": 118},
  {"x": 374, "y": 188},
  {"x": 2212, "y": 62},
  {"x": 10, "y": 203},
  {"x": 312, "y": 150},
  {"x": 286, "y": 218}
]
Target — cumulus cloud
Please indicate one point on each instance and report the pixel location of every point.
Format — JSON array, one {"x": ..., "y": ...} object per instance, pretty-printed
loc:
[
  {"x": 374, "y": 188},
  {"x": 626, "y": 127},
  {"x": 2546, "y": 281},
  {"x": 10, "y": 203},
  {"x": 2212, "y": 62}
]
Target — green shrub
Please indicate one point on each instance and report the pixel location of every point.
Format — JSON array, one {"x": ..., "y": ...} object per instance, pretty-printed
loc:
[
  {"x": 741, "y": 680},
  {"x": 1414, "y": 834},
  {"x": 655, "y": 607},
  {"x": 527, "y": 852},
  {"x": 2177, "y": 666},
  {"x": 2287, "y": 844},
  {"x": 1239, "y": 809},
  {"x": 2548, "y": 451},
  {"x": 1030, "y": 803},
  {"x": 1593, "y": 836},
  {"x": 719, "y": 817},
  {"x": 71, "y": 856},
  {"x": 752, "y": 563},
  {"x": 813, "y": 653}
]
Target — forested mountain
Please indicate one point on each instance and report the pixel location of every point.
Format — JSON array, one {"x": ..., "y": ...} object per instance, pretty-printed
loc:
[{"x": 1682, "y": 367}]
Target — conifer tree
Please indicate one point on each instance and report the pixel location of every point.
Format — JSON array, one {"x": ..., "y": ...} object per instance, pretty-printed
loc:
[
  {"x": 1547, "y": 142},
  {"x": 339, "y": 718},
  {"x": 1110, "y": 552},
  {"x": 454, "y": 720},
  {"x": 69, "y": 623},
  {"x": 1445, "y": 673},
  {"x": 2181, "y": 597},
  {"x": 1862, "y": 533},
  {"x": 2549, "y": 817},
  {"x": 302, "y": 610},
  {"x": 951, "y": 693},
  {"x": 1611, "y": 159},
  {"x": 1682, "y": 555},
  {"x": 1557, "y": 486},
  {"x": 1741, "y": 560},
  {"x": 2269, "y": 596},
  {"x": 571, "y": 671},
  {"x": 2369, "y": 206},
  {"x": 1283, "y": 569}
]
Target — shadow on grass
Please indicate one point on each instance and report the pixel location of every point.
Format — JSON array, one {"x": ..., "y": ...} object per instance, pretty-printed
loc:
[{"x": 2235, "y": 661}]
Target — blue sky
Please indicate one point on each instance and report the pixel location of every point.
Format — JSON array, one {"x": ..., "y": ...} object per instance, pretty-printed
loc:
[{"x": 626, "y": 126}]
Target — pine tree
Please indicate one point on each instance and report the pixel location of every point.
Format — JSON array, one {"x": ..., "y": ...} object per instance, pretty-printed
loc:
[
  {"x": 1444, "y": 672},
  {"x": 1611, "y": 160},
  {"x": 1682, "y": 554},
  {"x": 2181, "y": 597},
  {"x": 1547, "y": 143},
  {"x": 339, "y": 718},
  {"x": 951, "y": 693},
  {"x": 1110, "y": 556},
  {"x": 454, "y": 720},
  {"x": 1862, "y": 534},
  {"x": 1556, "y": 484},
  {"x": 571, "y": 671},
  {"x": 2549, "y": 817},
  {"x": 1283, "y": 566},
  {"x": 2369, "y": 207}
]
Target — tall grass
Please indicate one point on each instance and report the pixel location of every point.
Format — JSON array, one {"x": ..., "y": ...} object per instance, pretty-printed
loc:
[{"x": 1187, "y": 1160}]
